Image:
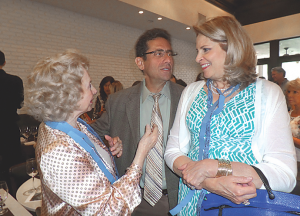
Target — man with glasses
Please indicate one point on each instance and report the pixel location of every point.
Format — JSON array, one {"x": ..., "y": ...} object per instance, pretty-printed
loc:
[{"x": 128, "y": 112}]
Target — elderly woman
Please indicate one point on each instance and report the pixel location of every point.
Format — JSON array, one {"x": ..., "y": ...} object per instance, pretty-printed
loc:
[
  {"x": 293, "y": 97},
  {"x": 78, "y": 173},
  {"x": 228, "y": 122}
]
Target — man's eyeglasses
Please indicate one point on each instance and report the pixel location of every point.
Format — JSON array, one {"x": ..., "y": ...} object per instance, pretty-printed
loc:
[{"x": 161, "y": 53}]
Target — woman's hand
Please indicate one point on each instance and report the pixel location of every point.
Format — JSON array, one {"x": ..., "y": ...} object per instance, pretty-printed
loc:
[
  {"x": 146, "y": 143},
  {"x": 115, "y": 145},
  {"x": 235, "y": 188},
  {"x": 195, "y": 172}
]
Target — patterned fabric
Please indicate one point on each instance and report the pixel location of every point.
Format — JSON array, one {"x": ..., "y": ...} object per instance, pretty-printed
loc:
[
  {"x": 98, "y": 104},
  {"x": 295, "y": 127},
  {"x": 231, "y": 133},
  {"x": 154, "y": 165},
  {"x": 72, "y": 182}
]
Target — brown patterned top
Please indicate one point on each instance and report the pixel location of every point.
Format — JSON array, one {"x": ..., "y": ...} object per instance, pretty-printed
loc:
[{"x": 72, "y": 182}]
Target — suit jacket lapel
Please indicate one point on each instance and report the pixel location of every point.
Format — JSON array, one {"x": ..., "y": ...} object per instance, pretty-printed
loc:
[{"x": 133, "y": 112}]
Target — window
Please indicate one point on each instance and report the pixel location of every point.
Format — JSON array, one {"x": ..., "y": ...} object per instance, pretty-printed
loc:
[
  {"x": 262, "y": 50},
  {"x": 289, "y": 47},
  {"x": 292, "y": 70}
]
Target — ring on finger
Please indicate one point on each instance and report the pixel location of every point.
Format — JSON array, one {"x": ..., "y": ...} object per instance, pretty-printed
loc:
[
  {"x": 191, "y": 186},
  {"x": 246, "y": 202}
]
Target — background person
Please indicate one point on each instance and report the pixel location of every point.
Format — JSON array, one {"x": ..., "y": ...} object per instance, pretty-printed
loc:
[
  {"x": 59, "y": 91},
  {"x": 129, "y": 110},
  {"x": 115, "y": 87},
  {"x": 104, "y": 91},
  {"x": 11, "y": 97},
  {"x": 278, "y": 76},
  {"x": 233, "y": 117},
  {"x": 293, "y": 97}
]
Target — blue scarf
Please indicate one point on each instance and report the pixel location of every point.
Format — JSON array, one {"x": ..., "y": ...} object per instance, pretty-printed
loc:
[{"x": 204, "y": 139}]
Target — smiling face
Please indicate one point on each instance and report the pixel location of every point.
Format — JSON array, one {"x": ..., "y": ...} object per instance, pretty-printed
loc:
[
  {"x": 276, "y": 76},
  {"x": 211, "y": 58},
  {"x": 157, "y": 70},
  {"x": 87, "y": 96},
  {"x": 293, "y": 96}
]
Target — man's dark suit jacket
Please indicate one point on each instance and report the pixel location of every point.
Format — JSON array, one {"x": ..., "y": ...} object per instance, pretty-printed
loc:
[
  {"x": 122, "y": 119},
  {"x": 11, "y": 98}
]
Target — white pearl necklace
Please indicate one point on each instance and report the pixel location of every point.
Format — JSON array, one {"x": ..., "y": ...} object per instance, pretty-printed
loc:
[{"x": 215, "y": 91}]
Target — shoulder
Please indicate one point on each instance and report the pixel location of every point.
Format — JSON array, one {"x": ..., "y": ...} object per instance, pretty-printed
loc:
[
  {"x": 125, "y": 94},
  {"x": 193, "y": 87},
  {"x": 269, "y": 88},
  {"x": 13, "y": 78},
  {"x": 176, "y": 86}
]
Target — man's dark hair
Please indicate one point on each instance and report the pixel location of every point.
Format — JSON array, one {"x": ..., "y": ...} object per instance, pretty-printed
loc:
[
  {"x": 279, "y": 70},
  {"x": 141, "y": 45},
  {"x": 2, "y": 58}
]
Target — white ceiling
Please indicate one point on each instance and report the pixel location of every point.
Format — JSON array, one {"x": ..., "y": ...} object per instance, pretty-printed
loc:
[{"x": 125, "y": 14}]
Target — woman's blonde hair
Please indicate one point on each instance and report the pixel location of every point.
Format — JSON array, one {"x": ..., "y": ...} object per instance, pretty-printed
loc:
[
  {"x": 240, "y": 62},
  {"x": 115, "y": 86},
  {"x": 294, "y": 84},
  {"x": 54, "y": 86}
]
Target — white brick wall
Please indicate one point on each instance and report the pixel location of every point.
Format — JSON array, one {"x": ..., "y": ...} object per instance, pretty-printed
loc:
[{"x": 30, "y": 31}]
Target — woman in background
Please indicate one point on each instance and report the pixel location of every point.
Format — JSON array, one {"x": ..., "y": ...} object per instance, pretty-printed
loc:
[
  {"x": 103, "y": 95},
  {"x": 115, "y": 87},
  {"x": 293, "y": 97},
  {"x": 77, "y": 171}
]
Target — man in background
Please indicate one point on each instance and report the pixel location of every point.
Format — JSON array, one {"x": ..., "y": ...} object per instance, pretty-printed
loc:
[
  {"x": 11, "y": 98},
  {"x": 278, "y": 75},
  {"x": 128, "y": 112}
]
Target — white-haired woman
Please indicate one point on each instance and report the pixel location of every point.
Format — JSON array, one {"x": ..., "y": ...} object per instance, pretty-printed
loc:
[
  {"x": 78, "y": 174},
  {"x": 293, "y": 97}
]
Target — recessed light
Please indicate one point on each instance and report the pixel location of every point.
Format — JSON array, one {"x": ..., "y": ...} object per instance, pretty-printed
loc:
[
  {"x": 141, "y": 12},
  {"x": 159, "y": 18},
  {"x": 188, "y": 28}
]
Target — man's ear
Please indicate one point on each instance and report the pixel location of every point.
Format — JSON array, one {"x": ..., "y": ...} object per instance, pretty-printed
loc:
[{"x": 140, "y": 63}]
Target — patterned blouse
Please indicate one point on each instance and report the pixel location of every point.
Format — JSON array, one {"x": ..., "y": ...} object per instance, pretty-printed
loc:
[
  {"x": 231, "y": 134},
  {"x": 73, "y": 183},
  {"x": 295, "y": 127}
]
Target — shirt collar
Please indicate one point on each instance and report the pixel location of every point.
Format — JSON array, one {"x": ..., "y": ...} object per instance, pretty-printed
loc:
[{"x": 164, "y": 92}]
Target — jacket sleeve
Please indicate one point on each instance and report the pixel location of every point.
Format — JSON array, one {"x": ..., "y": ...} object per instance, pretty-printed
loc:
[{"x": 273, "y": 143}]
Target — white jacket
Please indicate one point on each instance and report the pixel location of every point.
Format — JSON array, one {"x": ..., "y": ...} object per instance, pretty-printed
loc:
[{"x": 272, "y": 144}]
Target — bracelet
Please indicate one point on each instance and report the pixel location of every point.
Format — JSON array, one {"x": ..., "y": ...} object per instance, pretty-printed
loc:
[{"x": 224, "y": 168}]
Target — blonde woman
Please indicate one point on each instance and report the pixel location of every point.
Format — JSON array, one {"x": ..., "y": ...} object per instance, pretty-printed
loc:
[{"x": 229, "y": 122}]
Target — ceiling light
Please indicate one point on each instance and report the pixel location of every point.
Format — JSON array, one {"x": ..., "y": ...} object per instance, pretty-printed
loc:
[
  {"x": 188, "y": 28},
  {"x": 141, "y": 12},
  {"x": 159, "y": 18}
]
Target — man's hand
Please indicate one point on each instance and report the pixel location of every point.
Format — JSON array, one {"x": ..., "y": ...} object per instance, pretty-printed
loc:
[{"x": 115, "y": 145}]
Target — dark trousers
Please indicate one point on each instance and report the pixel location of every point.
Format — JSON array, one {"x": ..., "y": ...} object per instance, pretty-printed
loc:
[{"x": 161, "y": 208}]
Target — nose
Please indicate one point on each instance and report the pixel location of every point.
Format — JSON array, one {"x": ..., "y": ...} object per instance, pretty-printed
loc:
[
  {"x": 198, "y": 58},
  {"x": 167, "y": 58}
]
